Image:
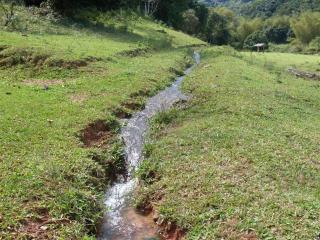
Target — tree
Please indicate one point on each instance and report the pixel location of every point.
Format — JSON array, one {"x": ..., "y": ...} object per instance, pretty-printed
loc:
[
  {"x": 217, "y": 29},
  {"x": 32, "y": 2},
  {"x": 190, "y": 21},
  {"x": 202, "y": 14},
  {"x": 306, "y": 27},
  {"x": 247, "y": 27},
  {"x": 254, "y": 38},
  {"x": 276, "y": 34},
  {"x": 8, "y": 10},
  {"x": 150, "y": 6},
  {"x": 170, "y": 11}
]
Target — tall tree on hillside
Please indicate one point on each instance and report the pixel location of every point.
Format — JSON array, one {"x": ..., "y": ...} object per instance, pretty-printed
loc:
[
  {"x": 150, "y": 6},
  {"x": 306, "y": 27},
  {"x": 217, "y": 29},
  {"x": 8, "y": 10},
  {"x": 190, "y": 22}
]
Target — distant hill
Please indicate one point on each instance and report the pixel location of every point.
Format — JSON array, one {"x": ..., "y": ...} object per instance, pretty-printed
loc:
[
  {"x": 267, "y": 8},
  {"x": 213, "y": 2}
]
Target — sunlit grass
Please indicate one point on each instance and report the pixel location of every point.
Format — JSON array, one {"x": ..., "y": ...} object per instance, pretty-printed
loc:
[
  {"x": 45, "y": 172},
  {"x": 242, "y": 162}
]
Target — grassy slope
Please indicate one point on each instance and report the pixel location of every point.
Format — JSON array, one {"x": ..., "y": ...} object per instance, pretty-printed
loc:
[
  {"x": 46, "y": 176},
  {"x": 242, "y": 161},
  {"x": 286, "y": 60}
]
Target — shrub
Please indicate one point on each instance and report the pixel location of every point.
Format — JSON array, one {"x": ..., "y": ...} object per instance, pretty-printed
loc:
[
  {"x": 314, "y": 45},
  {"x": 217, "y": 29},
  {"x": 277, "y": 34}
]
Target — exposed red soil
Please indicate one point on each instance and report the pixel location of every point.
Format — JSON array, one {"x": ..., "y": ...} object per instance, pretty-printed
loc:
[
  {"x": 14, "y": 57},
  {"x": 229, "y": 230},
  {"x": 42, "y": 82},
  {"x": 122, "y": 113},
  {"x": 78, "y": 98},
  {"x": 38, "y": 227},
  {"x": 166, "y": 229},
  {"x": 96, "y": 134}
]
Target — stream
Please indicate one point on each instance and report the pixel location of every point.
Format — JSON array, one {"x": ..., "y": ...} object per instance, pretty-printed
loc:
[{"x": 122, "y": 222}]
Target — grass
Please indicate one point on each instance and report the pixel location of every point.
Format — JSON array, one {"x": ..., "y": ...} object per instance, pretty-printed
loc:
[
  {"x": 285, "y": 60},
  {"x": 51, "y": 183},
  {"x": 242, "y": 161}
]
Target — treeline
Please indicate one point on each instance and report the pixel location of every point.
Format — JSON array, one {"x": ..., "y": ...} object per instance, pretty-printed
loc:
[
  {"x": 222, "y": 26},
  {"x": 218, "y": 25},
  {"x": 267, "y": 8}
]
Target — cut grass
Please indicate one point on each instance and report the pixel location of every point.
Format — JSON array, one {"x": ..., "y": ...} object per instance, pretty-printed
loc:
[
  {"x": 242, "y": 162},
  {"x": 51, "y": 183}
]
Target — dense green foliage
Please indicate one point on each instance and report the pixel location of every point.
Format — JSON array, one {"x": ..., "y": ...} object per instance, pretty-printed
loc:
[
  {"x": 261, "y": 21},
  {"x": 267, "y": 8}
]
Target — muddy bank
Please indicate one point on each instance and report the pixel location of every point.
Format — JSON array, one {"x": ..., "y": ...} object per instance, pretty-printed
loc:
[
  {"x": 10, "y": 57},
  {"x": 122, "y": 221}
]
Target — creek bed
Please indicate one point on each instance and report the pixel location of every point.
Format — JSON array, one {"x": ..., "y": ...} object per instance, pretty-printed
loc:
[{"x": 122, "y": 222}]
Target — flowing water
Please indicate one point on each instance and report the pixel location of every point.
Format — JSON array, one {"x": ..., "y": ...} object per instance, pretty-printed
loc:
[{"x": 122, "y": 222}]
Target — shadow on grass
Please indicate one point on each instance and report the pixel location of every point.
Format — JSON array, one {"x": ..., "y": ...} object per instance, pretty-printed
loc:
[{"x": 120, "y": 34}]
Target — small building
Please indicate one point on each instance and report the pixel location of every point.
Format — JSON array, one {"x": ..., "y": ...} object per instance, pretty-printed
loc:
[{"x": 260, "y": 46}]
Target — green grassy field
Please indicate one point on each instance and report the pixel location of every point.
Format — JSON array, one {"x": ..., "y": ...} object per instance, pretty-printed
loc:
[
  {"x": 283, "y": 61},
  {"x": 57, "y": 78},
  {"x": 242, "y": 160}
]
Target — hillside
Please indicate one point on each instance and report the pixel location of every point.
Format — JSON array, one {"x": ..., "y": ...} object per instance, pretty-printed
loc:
[
  {"x": 64, "y": 85},
  {"x": 266, "y": 8}
]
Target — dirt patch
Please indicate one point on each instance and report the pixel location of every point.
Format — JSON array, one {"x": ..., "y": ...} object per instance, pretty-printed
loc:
[
  {"x": 167, "y": 230},
  {"x": 78, "y": 98},
  {"x": 113, "y": 162},
  {"x": 10, "y": 57},
  {"x": 60, "y": 63},
  {"x": 229, "y": 230},
  {"x": 141, "y": 93},
  {"x": 98, "y": 133},
  {"x": 170, "y": 231},
  {"x": 42, "y": 82},
  {"x": 34, "y": 229},
  {"x": 135, "y": 103},
  {"x": 135, "y": 52},
  {"x": 38, "y": 227},
  {"x": 3, "y": 47},
  {"x": 122, "y": 113},
  {"x": 304, "y": 74}
]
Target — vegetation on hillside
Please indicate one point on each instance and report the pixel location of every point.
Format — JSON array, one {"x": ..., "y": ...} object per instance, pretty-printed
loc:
[
  {"x": 218, "y": 25},
  {"x": 266, "y": 8},
  {"x": 241, "y": 161}
]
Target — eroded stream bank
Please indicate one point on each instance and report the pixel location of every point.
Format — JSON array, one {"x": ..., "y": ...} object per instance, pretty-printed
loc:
[{"x": 122, "y": 222}]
